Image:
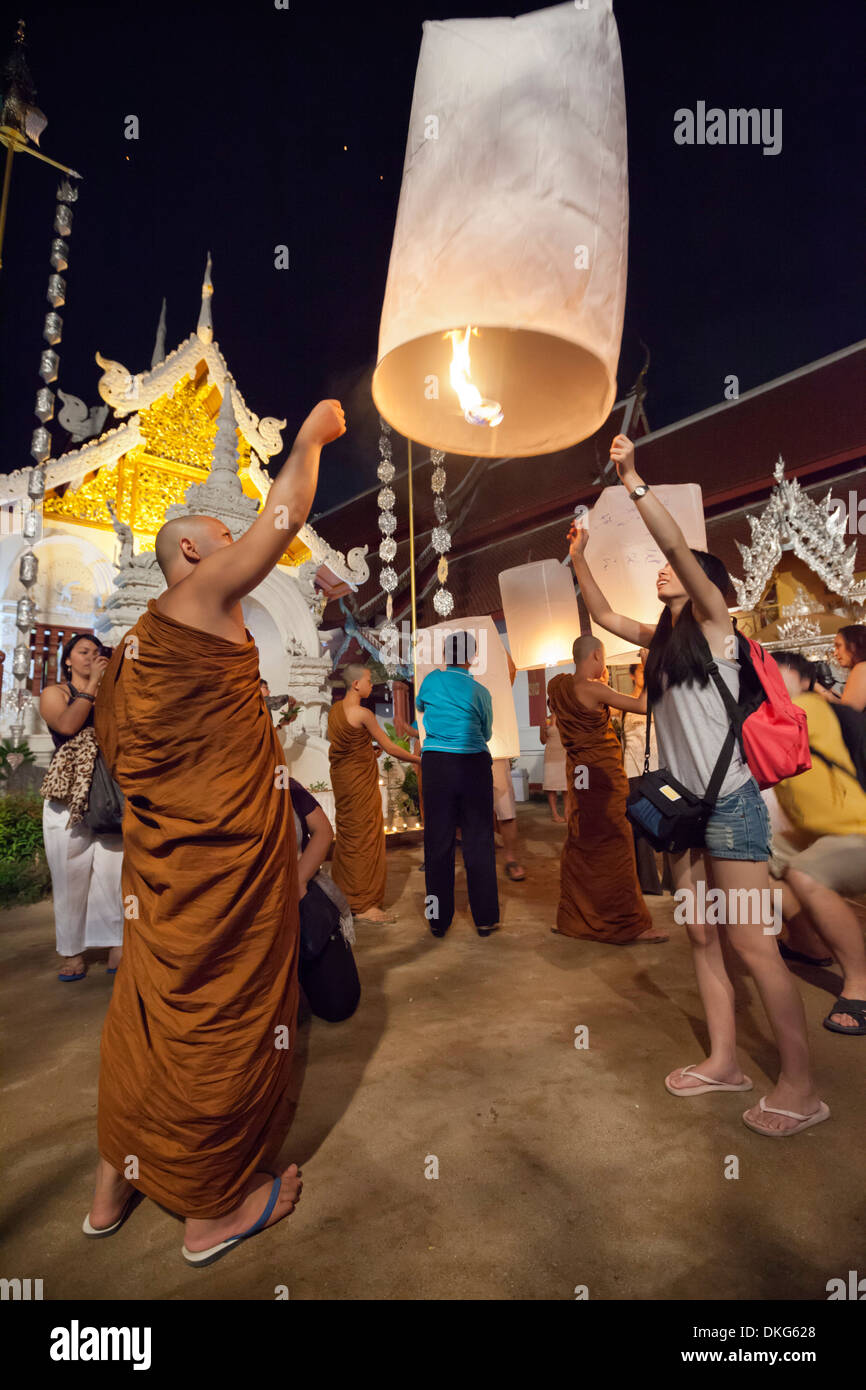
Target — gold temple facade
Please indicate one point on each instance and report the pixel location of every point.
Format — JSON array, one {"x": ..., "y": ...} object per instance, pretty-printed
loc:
[{"x": 179, "y": 429}]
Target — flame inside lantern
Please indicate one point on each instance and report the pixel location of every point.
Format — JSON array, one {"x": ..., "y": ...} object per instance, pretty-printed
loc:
[{"x": 476, "y": 410}]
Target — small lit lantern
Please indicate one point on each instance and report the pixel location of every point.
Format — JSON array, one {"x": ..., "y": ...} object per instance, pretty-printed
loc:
[
  {"x": 541, "y": 615},
  {"x": 490, "y": 669},
  {"x": 511, "y": 236},
  {"x": 625, "y": 560}
]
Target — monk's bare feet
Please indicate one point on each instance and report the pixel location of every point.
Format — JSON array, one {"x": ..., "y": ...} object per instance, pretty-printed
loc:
[
  {"x": 114, "y": 957},
  {"x": 652, "y": 935},
  {"x": 784, "y": 1096},
  {"x": 727, "y": 1072},
  {"x": 72, "y": 965},
  {"x": 558, "y": 820},
  {"x": 111, "y": 1196},
  {"x": 201, "y": 1235},
  {"x": 375, "y": 914}
]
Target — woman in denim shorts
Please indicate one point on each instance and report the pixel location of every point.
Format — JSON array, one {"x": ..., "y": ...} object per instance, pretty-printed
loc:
[{"x": 724, "y": 885}]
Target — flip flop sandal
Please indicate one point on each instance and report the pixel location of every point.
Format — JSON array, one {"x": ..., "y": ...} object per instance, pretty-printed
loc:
[
  {"x": 509, "y": 869},
  {"x": 710, "y": 1084},
  {"x": 789, "y": 954},
  {"x": 67, "y": 979},
  {"x": 822, "y": 1113},
  {"x": 200, "y": 1258},
  {"x": 97, "y": 1232},
  {"x": 856, "y": 1008}
]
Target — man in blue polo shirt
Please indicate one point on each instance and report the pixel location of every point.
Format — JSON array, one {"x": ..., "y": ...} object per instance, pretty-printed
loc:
[{"x": 457, "y": 776}]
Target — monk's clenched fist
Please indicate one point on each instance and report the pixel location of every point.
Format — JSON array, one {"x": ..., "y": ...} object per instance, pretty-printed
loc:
[{"x": 325, "y": 423}]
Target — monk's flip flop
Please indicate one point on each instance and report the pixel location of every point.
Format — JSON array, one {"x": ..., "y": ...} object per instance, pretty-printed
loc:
[
  {"x": 709, "y": 1084},
  {"x": 97, "y": 1232},
  {"x": 856, "y": 1008},
  {"x": 200, "y": 1258},
  {"x": 509, "y": 869},
  {"x": 822, "y": 1113}
]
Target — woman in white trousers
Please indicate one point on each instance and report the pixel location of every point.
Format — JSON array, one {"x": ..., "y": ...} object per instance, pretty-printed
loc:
[{"x": 85, "y": 867}]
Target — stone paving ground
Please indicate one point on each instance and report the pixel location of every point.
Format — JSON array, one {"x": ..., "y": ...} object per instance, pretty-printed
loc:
[{"x": 557, "y": 1167}]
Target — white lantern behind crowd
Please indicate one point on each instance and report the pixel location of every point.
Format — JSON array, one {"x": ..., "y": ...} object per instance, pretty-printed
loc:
[
  {"x": 540, "y": 607},
  {"x": 512, "y": 221},
  {"x": 490, "y": 669},
  {"x": 625, "y": 560}
]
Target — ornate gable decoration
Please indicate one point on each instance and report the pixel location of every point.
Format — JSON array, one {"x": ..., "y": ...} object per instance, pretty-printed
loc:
[
  {"x": 126, "y": 393},
  {"x": 813, "y": 531}
]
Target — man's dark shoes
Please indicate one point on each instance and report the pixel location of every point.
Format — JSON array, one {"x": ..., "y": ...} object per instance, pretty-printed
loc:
[{"x": 487, "y": 931}]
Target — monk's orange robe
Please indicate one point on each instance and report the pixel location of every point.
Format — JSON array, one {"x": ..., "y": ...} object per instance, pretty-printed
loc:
[
  {"x": 600, "y": 897},
  {"x": 194, "y": 1065},
  {"x": 358, "y": 865}
]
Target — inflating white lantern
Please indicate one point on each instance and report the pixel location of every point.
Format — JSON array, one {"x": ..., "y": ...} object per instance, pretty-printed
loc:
[
  {"x": 540, "y": 607},
  {"x": 508, "y": 268},
  {"x": 490, "y": 669},
  {"x": 625, "y": 560}
]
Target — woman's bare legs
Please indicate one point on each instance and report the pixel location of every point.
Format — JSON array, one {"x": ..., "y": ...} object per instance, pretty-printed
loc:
[
  {"x": 552, "y": 798},
  {"x": 756, "y": 947},
  {"x": 714, "y": 985}
]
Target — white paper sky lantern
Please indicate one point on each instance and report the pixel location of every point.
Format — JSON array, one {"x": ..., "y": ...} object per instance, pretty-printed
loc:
[
  {"x": 625, "y": 560},
  {"x": 490, "y": 669},
  {"x": 541, "y": 614},
  {"x": 513, "y": 218}
]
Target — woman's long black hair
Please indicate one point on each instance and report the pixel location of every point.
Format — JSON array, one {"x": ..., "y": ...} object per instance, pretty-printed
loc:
[{"x": 678, "y": 650}]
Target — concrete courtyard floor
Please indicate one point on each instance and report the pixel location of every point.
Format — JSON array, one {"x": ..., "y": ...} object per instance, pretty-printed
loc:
[{"x": 558, "y": 1167}]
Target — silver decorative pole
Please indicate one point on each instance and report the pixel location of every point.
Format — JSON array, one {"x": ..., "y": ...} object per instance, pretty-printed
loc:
[{"x": 40, "y": 448}]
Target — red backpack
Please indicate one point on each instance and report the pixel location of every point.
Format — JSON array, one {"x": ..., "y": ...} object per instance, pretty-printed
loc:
[{"x": 772, "y": 730}]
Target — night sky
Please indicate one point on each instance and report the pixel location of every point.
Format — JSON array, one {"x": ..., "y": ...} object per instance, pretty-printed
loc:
[{"x": 739, "y": 262}]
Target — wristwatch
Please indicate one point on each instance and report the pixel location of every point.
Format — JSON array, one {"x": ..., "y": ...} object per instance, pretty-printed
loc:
[{"x": 640, "y": 491}]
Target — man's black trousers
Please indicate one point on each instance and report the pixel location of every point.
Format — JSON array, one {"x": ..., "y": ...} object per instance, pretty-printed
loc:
[{"x": 458, "y": 792}]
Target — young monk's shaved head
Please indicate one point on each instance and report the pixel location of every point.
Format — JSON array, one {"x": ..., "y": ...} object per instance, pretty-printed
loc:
[
  {"x": 355, "y": 671},
  {"x": 204, "y": 532},
  {"x": 584, "y": 647}
]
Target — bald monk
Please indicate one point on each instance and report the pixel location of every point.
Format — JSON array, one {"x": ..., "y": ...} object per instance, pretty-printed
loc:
[
  {"x": 196, "y": 1046},
  {"x": 600, "y": 897},
  {"x": 358, "y": 865}
]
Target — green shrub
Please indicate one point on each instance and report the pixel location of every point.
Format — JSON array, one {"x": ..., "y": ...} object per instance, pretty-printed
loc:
[
  {"x": 24, "y": 882},
  {"x": 24, "y": 874}
]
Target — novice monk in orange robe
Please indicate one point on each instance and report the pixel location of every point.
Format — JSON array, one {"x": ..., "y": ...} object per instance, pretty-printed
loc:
[
  {"x": 196, "y": 1046},
  {"x": 358, "y": 865},
  {"x": 600, "y": 899}
]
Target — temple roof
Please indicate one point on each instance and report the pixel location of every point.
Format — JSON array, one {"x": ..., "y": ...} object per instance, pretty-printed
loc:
[{"x": 164, "y": 441}]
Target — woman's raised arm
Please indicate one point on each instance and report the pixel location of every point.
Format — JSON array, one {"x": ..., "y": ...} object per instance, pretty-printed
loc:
[
  {"x": 708, "y": 602},
  {"x": 629, "y": 629}
]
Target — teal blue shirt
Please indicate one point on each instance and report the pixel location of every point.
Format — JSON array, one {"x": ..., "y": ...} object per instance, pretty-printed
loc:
[{"x": 458, "y": 712}]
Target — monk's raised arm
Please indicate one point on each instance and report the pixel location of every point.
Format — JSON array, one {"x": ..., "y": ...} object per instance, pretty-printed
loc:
[{"x": 229, "y": 574}]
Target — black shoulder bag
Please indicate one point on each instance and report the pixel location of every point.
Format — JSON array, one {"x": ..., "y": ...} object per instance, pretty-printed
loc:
[
  {"x": 104, "y": 814},
  {"x": 665, "y": 812}
]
